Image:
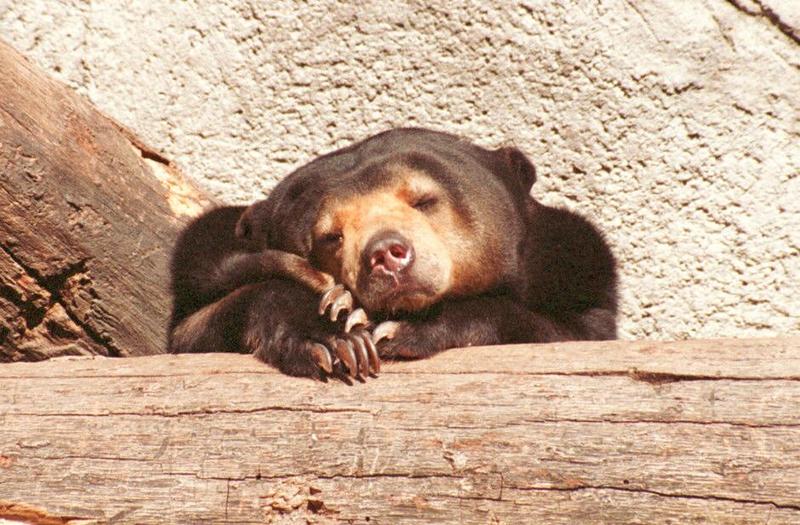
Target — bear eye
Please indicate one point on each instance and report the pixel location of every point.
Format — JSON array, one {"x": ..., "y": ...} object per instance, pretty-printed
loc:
[
  {"x": 331, "y": 239},
  {"x": 425, "y": 203}
]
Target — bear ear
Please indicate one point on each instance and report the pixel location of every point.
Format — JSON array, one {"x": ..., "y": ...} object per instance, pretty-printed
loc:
[
  {"x": 244, "y": 226},
  {"x": 515, "y": 169},
  {"x": 252, "y": 223}
]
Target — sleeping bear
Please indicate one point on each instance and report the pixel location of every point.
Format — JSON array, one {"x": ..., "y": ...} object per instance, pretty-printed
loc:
[{"x": 396, "y": 247}]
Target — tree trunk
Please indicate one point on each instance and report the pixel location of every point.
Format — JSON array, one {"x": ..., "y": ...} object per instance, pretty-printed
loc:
[
  {"x": 612, "y": 432},
  {"x": 88, "y": 215}
]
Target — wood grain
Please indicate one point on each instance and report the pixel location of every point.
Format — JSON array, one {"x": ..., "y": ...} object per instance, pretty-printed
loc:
[
  {"x": 88, "y": 215},
  {"x": 616, "y": 432}
]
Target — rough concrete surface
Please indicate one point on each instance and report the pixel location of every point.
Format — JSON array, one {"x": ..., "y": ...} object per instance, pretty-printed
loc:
[{"x": 673, "y": 124}]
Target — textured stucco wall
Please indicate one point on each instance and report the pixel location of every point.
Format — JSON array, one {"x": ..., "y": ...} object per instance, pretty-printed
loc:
[{"x": 674, "y": 124}]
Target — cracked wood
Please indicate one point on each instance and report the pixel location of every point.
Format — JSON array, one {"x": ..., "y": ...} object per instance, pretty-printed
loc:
[
  {"x": 88, "y": 214},
  {"x": 562, "y": 433}
]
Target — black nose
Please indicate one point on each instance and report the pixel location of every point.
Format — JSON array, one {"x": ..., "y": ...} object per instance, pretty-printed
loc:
[{"x": 389, "y": 252}]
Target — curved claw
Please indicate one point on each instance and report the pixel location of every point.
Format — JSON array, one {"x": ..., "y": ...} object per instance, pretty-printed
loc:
[
  {"x": 343, "y": 303},
  {"x": 372, "y": 352},
  {"x": 344, "y": 349},
  {"x": 322, "y": 357},
  {"x": 361, "y": 352},
  {"x": 385, "y": 330},
  {"x": 329, "y": 297},
  {"x": 357, "y": 317}
]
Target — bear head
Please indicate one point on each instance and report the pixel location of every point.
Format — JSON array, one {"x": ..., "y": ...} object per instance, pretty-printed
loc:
[{"x": 403, "y": 219}]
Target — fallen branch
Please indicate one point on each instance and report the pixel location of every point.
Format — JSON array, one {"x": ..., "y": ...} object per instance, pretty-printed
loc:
[
  {"x": 88, "y": 215},
  {"x": 614, "y": 432}
]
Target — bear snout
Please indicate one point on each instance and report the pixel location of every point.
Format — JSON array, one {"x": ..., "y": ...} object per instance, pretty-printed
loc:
[{"x": 388, "y": 252}]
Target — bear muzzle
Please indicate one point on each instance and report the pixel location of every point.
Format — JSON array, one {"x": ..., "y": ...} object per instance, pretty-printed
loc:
[
  {"x": 392, "y": 275},
  {"x": 388, "y": 253}
]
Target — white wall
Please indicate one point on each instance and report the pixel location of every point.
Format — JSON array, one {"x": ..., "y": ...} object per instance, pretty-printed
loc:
[{"x": 674, "y": 124}]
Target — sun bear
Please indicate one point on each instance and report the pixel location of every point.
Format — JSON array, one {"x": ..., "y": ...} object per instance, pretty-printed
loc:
[{"x": 402, "y": 245}]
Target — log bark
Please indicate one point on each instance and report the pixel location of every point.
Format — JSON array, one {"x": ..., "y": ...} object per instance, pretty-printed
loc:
[
  {"x": 612, "y": 432},
  {"x": 88, "y": 214}
]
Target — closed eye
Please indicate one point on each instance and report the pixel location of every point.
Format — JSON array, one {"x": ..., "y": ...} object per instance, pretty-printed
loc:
[
  {"x": 425, "y": 203},
  {"x": 331, "y": 239}
]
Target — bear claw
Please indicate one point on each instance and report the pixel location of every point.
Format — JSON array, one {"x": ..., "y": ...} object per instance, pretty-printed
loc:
[
  {"x": 385, "y": 330},
  {"x": 322, "y": 357},
  {"x": 346, "y": 355},
  {"x": 357, "y": 344},
  {"x": 357, "y": 317},
  {"x": 372, "y": 353},
  {"x": 338, "y": 299}
]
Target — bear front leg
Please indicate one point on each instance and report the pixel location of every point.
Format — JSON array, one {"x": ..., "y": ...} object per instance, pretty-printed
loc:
[
  {"x": 474, "y": 321},
  {"x": 277, "y": 321}
]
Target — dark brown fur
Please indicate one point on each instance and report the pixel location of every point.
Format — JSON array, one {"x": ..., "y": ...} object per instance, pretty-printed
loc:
[{"x": 494, "y": 266}]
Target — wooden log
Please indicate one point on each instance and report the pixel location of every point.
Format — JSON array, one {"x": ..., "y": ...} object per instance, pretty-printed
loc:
[
  {"x": 611, "y": 432},
  {"x": 88, "y": 215}
]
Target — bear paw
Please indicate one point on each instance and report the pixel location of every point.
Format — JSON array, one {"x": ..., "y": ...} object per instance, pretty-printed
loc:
[{"x": 350, "y": 355}]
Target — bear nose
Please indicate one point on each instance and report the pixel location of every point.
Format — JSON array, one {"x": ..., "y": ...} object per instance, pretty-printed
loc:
[{"x": 390, "y": 252}]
